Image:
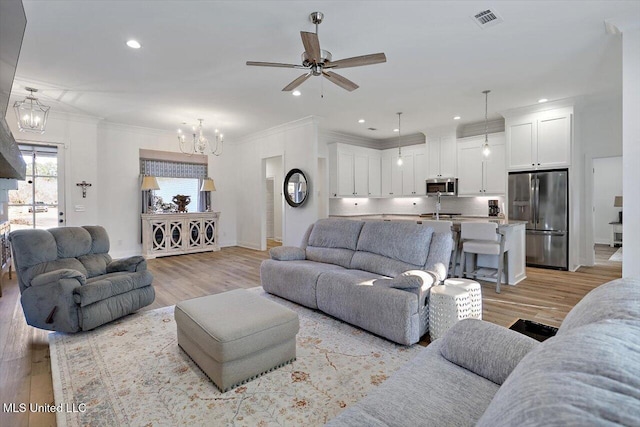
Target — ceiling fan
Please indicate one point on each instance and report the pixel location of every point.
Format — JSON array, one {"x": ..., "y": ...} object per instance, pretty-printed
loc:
[{"x": 318, "y": 62}]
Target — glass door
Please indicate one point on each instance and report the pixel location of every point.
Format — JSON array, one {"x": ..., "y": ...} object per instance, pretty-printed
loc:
[{"x": 37, "y": 202}]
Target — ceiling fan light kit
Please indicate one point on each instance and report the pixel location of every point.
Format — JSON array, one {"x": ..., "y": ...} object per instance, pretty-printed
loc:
[{"x": 319, "y": 62}]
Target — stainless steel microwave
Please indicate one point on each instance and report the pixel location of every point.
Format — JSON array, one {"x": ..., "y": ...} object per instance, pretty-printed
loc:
[{"x": 442, "y": 186}]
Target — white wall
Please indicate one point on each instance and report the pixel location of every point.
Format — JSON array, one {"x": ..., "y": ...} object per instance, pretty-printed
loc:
[
  {"x": 76, "y": 136},
  {"x": 106, "y": 155},
  {"x": 607, "y": 183},
  {"x": 297, "y": 143},
  {"x": 274, "y": 170}
]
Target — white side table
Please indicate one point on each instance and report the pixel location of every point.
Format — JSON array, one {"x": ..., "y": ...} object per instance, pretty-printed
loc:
[
  {"x": 475, "y": 294},
  {"x": 616, "y": 234},
  {"x": 447, "y": 305}
]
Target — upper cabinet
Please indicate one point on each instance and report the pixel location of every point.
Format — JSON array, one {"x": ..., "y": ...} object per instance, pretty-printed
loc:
[
  {"x": 408, "y": 179},
  {"x": 441, "y": 156},
  {"x": 539, "y": 140},
  {"x": 354, "y": 171},
  {"x": 479, "y": 175}
]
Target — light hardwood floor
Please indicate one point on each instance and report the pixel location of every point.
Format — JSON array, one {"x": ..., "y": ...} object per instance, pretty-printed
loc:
[{"x": 25, "y": 372}]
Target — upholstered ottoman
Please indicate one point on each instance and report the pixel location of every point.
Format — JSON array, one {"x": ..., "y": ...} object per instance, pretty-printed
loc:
[{"x": 236, "y": 336}]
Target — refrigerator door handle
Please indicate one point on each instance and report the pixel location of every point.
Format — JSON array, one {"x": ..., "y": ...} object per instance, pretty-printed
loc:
[{"x": 536, "y": 195}]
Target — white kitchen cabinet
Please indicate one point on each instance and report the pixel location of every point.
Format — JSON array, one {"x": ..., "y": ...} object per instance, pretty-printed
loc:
[
  {"x": 375, "y": 179},
  {"x": 405, "y": 180},
  {"x": 479, "y": 175},
  {"x": 540, "y": 140},
  {"x": 441, "y": 157},
  {"x": 350, "y": 171}
]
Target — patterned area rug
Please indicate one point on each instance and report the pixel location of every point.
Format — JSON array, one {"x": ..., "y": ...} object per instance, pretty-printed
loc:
[
  {"x": 132, "y": 373},
  {"x": 617, "y": 256}
]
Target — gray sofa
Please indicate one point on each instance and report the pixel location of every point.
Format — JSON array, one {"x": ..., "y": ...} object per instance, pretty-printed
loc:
[
  {"x": 486, "y": 375},
  {"x": 68, "y": 282},
  {"x": 375, "y": 275}
]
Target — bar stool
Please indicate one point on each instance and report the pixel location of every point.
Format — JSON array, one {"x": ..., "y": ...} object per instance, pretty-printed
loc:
[
  {"x": 483, "y": 238},
  {"x": 475, "y": 294},
  {"x": 446, "y": 227}
]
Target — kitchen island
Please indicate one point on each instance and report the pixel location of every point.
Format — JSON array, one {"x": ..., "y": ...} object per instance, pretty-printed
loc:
[{"x": 514, "y": 232}]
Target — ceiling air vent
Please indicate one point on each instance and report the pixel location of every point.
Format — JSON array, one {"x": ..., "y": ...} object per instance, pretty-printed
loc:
[{"x": 487, "y": 18}]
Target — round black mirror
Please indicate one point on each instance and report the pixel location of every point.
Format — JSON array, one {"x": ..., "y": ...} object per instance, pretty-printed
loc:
[{"x": 296, "y": 188}]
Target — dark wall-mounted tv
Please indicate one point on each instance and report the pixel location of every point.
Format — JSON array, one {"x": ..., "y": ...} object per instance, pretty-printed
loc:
[{"x": 13, "y": 22}]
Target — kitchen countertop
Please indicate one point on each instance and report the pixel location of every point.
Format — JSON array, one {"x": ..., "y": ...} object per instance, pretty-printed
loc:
[{"x": 456, "y": 219}]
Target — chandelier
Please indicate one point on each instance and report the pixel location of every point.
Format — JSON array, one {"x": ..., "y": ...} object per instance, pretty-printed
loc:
[
  {"x": 31, "y": 114},
  {"x": 199, "y": 143}
]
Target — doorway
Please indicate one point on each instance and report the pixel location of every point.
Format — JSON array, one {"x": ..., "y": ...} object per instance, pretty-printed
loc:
[
  {"x": 38, "y": 201},
  {"x": 274, "y": 176},
  {"x": 607, "y": 184}
]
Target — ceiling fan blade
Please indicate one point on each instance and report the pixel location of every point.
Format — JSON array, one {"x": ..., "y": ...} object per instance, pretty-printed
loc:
[
  {"x": 311, "y": 45},
  {"x": 340, "y": 81},
  {"x": 297, "y": 82},
  {"x": 273, "y": 64},
  {"x": 358, "y": 61}
]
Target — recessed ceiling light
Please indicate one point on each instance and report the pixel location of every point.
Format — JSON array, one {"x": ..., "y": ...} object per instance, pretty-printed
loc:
[
  {"x": 361, "y": 121},
  {"x": 456, "y": 118},
  {"x": 396, "y": 130},
  {"x": 134, "y": 44},
  {"x": 296, "y": 93},
  {"x": 541, "y": 100}
]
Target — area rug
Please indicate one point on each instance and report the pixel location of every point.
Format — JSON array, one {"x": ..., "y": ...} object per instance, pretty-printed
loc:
[
  {"x": 617, "y": 256},
  {"x": 132, "y": 373}
]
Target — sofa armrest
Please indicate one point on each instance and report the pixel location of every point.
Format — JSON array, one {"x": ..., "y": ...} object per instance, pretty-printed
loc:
[
  {"x": 132, "y": 264},
  {"x": 287, "y": 253},
  {"x": 485, "y": 349},
  {"x": 418, "y": 282},
  {"x": 54, "y": 276}
]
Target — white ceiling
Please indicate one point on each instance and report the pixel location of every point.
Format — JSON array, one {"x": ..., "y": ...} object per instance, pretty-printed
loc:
[{"x": 192, "y": 61}]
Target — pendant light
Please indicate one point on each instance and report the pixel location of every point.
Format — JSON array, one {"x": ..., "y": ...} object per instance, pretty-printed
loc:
[
  {"x": 399, "y": 147},
  {"x": 486, "y": 151},
  {"x": 32, "y": 115}
]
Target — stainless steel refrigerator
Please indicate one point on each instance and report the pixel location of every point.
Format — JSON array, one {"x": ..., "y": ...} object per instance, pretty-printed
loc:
[{"x": 542, "y": 200}]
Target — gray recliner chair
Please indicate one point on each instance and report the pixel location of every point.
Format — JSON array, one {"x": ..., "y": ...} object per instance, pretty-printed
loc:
[{"x": 69, "y": 283}]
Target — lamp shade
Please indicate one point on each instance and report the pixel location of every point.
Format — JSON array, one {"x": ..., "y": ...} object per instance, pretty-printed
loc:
[
  {"x": 617, "y": 202},
  {"x": 149, "y": 183},
  {"x": 208, "y": 185}
]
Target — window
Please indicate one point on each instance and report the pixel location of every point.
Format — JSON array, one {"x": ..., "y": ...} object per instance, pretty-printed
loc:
[{"x": 170, "y": 187}]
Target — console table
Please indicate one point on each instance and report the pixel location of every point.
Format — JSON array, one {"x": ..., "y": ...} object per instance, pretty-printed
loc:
[{"x": 179, "y": 233}]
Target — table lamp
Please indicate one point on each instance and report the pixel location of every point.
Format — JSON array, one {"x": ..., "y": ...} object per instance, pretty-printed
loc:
[{"x": 208, "y": 186}]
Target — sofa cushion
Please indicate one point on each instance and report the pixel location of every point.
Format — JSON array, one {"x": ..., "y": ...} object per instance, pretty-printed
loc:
[
  {"x": 427, "y": 391},
  {"x": 489, "y": 350},
  {"x": 341, "y": 257},
  {"x": 104, "y": 288},
  {"x": 439, "y": 254},
  {"x": 96, "y": 264},
  {"x": 402, "y": 241},
  {"x": 293, "y": 280},
  {"x": 99, "y": 239},
  {"x": 380, "y": 264},
  {"x": 585, "y": 376},
  {"x": 335, "y": 233},
  {"x": 618, "y": 299},
  {"x": 71, "y": 241},
  {"x": 350, "y": 296}
]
